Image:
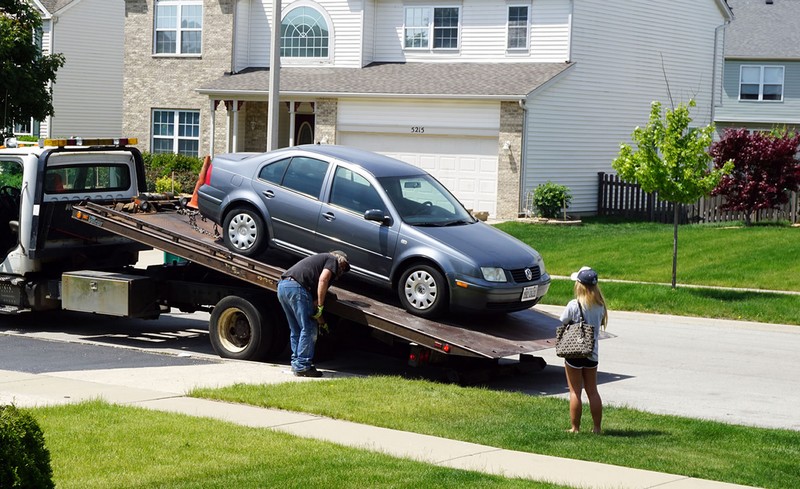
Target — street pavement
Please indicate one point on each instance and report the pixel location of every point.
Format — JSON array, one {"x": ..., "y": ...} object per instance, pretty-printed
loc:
[{"x": 731, "y": 371}]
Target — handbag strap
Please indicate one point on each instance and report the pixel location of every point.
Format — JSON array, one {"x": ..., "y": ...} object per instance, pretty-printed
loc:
[{"x": 580, "y": 310}]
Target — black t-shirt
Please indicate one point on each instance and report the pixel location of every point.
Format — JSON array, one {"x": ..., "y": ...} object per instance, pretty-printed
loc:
[{"x": 307, "y": 271}]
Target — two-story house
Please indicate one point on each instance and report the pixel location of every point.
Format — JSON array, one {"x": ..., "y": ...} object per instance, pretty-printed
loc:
[
  {"x": 87, "y": 92},
  {"x": 493, "y": 97},
  {"x": 761, "y": 82}
]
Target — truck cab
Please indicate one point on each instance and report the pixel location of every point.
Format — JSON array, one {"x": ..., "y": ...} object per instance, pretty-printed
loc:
[{"x": 39, "y": 240}]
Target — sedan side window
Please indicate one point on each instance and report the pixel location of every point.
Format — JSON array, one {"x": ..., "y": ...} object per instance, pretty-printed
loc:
[
  {"x": 354, "y": 192},
  {"x": 274, "y": 171},
  {"x": 305, "y": 175}
]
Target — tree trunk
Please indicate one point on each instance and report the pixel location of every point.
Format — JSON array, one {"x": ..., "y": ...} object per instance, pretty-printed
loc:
[{"x": 675, "y": 246}]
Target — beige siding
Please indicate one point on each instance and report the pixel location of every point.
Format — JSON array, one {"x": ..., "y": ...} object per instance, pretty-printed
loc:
[
  {"x": 87, "y": 94},
  {"x": 483, "y": 33},
  {"x": 575, "y": 126},
  {"x": 345, "y": 25},
  {"x": 431, "y": 117}
]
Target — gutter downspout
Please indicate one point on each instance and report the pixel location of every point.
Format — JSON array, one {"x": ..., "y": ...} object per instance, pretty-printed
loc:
[
  {"x": 523, "y": 104},
  {"x": 716, "y": 98}
]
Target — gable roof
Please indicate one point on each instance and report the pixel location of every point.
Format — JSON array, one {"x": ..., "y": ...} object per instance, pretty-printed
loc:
[
  {"x": 762, "y": 30},
  {"x": 441, "y": 80},
  {"x": 52, "y": 6}
]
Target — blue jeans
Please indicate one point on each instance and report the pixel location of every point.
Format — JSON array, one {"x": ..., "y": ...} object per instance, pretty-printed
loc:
[{"x": 298, "y": 305}]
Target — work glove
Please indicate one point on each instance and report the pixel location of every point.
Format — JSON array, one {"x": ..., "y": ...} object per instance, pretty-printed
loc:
[{"x": 317, "y": 314}]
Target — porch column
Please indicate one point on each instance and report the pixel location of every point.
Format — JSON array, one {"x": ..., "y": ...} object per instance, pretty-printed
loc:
[
  {"x": 235, "y": 137},
  {"x": 213, "y": 121},
  {"x": 292, "y": 112}
]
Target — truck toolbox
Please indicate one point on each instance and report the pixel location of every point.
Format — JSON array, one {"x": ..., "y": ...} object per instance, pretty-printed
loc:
[{"x": 115, "y": 294}]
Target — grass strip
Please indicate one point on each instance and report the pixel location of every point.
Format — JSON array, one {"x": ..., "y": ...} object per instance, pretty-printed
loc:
[
  {"x": 97, "y": 445},
  {"x": 694, "y": 448},
  {"x": 685, "y": 301}
]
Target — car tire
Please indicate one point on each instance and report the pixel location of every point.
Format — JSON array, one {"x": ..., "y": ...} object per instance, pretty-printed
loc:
[
  {"x": 423, "y": 291},
  {"x": 244, "y": 231}
]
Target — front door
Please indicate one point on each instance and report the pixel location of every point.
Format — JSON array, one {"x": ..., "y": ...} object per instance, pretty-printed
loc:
[{"x": 303, "y": 129}]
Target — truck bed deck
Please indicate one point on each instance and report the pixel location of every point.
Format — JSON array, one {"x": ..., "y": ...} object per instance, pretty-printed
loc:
[{"x": 186, "y": 235}]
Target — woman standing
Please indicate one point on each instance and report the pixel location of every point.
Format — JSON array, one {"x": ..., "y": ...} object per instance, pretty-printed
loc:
[{"x": 582, "y": 372}]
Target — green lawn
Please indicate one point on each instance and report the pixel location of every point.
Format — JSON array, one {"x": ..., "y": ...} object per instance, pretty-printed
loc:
[
  {"x": 96, "y": 445},
  {"x": 760, "y": 257},
  {"x": 695, "y": 448}
]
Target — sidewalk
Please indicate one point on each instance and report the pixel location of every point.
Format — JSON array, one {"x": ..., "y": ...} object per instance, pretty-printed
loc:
[{"x": 163, "y": 388}]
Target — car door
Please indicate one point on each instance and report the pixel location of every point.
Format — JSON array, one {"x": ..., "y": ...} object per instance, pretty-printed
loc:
[
  {"x": 369, "y": 245},
  {"x": 290, "y": 189}
]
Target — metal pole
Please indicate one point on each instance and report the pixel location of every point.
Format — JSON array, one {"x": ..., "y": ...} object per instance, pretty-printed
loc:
[{"x": 274, "y": 78}]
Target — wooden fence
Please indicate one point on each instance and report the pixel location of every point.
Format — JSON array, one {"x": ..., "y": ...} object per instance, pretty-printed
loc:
[{"x": 618, "y": 198}]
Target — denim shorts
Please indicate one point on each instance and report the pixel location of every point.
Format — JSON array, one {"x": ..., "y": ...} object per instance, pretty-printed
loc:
[{"x": 580, "y": 363}]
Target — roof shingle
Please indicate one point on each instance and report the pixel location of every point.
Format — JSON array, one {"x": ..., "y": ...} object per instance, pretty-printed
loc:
[
  {"x": 471, "y": 80},
  {"x": 762, "y": 30}
]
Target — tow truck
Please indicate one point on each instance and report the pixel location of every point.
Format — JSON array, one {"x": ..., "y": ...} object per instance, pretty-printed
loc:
[{"x": 75, "y": 214}]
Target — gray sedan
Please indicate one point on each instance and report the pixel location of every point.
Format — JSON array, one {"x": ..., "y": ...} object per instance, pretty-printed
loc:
[{"x": 398, "y": 225}]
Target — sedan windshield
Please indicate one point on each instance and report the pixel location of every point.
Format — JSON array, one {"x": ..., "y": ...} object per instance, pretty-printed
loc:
[{"x": 423, "y": 201}]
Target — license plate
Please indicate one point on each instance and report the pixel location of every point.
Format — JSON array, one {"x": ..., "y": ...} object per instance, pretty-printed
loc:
[{"x": 529, "y": 293}]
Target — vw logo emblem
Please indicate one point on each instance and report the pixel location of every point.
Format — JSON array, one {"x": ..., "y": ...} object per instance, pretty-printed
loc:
[{"x": 528, "y": 274}]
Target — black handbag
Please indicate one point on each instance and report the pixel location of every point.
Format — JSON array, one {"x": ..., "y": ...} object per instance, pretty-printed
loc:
[{"x": 575, "y": 340}]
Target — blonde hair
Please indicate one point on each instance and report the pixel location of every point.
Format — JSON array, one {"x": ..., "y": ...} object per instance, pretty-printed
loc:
[{"x": 591, "y": 295}]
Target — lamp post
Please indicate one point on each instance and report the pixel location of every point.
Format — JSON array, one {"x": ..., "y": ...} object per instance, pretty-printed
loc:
[{"x": 274, "y": 96}]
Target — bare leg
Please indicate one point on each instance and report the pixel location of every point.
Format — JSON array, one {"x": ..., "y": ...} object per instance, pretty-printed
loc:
[
  {"x": 595, "y": 402},
  {"x": 575, "y": 383}
]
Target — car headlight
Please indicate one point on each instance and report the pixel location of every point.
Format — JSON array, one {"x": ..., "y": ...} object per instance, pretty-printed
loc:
[
  {"x": 541, "y": 267},
  {"x": 493, "y": 274}
]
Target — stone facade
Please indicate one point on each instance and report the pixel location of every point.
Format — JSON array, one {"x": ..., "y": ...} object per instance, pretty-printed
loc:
[
  {"x": 509, "y": 150},
  {"x": 325, "y": 120},
  {"x": 168, "y": 82}
]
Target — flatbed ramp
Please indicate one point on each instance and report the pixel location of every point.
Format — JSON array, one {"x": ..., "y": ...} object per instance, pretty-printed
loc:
[{"x": 186, "y": 235}]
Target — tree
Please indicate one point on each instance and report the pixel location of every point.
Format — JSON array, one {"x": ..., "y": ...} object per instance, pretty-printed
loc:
[
  {"x": 24, "y": 71},
  {"x": 765, "y": 169},
  {"x": 671, "y": 159}
]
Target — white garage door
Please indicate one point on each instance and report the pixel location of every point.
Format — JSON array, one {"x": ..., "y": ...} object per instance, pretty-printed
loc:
[{"x": 466, "y": 165}]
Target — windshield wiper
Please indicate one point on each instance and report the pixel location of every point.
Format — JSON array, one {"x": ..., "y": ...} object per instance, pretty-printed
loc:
[{"x": 458, "y": 222}]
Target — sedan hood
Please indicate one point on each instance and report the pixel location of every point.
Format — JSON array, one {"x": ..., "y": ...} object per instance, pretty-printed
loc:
[{"x": 487, "y": 244}]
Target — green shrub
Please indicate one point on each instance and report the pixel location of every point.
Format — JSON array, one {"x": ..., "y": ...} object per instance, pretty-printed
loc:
[
  {"x": 167, "y": 184},
  {"x": 549, "y": 198},
  {"x": 24, "y": 460},
  {"x": 162, "y": 165}
]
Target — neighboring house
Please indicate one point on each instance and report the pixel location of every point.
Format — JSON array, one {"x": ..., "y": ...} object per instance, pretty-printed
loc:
[
  {"x": 87, "y": 92},
  {"x": 493, "y": 97},
  {"x": 761, "y": 82}
]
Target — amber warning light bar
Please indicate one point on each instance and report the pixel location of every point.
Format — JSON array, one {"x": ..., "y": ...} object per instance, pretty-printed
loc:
[{"x": 89, "y": 142}]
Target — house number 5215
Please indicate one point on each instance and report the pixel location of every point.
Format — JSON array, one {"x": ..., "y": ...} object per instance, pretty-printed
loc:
[{"x": 417, "y": 129}]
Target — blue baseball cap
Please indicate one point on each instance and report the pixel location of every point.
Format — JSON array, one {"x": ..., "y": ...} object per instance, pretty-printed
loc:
[{"x": 585, "y": 275}]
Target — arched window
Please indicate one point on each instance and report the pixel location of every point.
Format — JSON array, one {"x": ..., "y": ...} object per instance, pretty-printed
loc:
[{"x": 304, "y": 34}]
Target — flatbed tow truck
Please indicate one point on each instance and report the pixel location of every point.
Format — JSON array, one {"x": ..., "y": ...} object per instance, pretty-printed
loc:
[{"x": 246, "y": 321}]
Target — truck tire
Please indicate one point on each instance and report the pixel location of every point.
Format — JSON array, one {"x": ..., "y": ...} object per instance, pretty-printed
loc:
[
  {"x": 240, "y": 329},
  {"x": 423, "y": 291}
]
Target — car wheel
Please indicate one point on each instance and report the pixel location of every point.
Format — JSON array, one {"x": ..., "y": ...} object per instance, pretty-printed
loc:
[
  {"x": 423, "y": 291},
  {"x": 244, "y": 231}
]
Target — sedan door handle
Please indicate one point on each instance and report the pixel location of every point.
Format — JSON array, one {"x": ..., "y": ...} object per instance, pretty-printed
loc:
[
  {"x": 329, "y": 216},
  {"x": 269, "y": 194}
]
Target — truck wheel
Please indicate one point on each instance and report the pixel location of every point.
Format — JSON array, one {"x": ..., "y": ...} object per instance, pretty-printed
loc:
[
  {"x": 239, "y": 329},
  {"x": 423, "y": 291},
  {"x": 244, "y": 231}
]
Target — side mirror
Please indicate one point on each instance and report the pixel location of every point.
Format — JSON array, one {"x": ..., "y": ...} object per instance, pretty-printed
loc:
[{"x": 377, "y": 215}]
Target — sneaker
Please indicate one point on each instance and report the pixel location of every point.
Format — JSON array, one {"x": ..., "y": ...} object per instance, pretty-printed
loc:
[{"x": 309, "y": 372}]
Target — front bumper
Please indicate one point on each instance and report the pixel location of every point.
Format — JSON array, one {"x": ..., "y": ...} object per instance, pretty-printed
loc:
[{"x": 502, "y": 297}]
